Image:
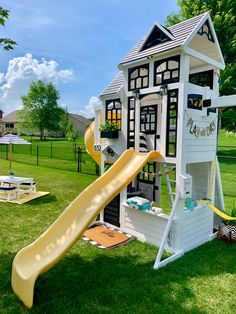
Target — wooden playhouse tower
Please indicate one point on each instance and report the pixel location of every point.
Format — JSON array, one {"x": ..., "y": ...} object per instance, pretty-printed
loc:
[{"x": 165, "y": 98}]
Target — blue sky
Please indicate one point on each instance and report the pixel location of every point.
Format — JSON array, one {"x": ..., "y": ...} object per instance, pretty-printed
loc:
[{"x": 75, "y": 44}]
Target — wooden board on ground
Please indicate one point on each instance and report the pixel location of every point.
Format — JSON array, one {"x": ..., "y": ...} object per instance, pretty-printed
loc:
[{"x": 25, "y": 198}]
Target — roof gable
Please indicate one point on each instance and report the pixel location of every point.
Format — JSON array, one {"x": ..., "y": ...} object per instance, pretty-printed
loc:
[
  {"x": 158, "y": 35},
  {"x": 203, "y": 39},
  {"x": 180, "y": 33}
]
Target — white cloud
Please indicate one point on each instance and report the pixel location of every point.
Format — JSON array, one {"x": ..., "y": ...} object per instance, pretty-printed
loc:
[
  {"x": 88, "y": 110},
  {"x": 21, "y": 72}
]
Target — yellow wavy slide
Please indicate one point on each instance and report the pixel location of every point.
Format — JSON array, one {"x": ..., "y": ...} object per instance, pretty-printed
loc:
[
  {"x": 220, "y": 213},
  {"x": 53, "y": 244}
]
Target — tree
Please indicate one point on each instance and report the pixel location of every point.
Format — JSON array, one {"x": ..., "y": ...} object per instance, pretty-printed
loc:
[
  {"x": 223, "y": 14},
  {"x": 228, "y": 119},
  {"x": 41, "y": 112},
  {"x": 72, "y": 134},
  {"x": 6, "y": 43}
]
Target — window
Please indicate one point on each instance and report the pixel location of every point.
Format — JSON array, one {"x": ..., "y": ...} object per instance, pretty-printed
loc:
[
  {"x": 166, "y": 71},
  {"x": 138, "y": 77},
  {"x": 146, "y": 175},
  {"x": 205, "y": 30},
  {"x": 131, "y": 123},
  {"x": 171, "y": 130},
  {"x": 202, "y": 78},
  {"x": 113, "y": 111},
  {"x": 148, "y": 115},
  {"x": 9, "y": 125},
  {"x": 155, "y": 38}
]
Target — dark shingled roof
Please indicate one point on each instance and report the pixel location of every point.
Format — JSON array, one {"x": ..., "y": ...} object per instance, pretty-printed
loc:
[
  {"x": 180, "y": 31},
  {"x": 115, "y": 85}
]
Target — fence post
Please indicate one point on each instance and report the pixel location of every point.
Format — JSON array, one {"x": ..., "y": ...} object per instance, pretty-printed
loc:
[
  {"x": 37, "y": 155},
  {"x": 51, "y": 149},
  {"x": 6, "y": 151},
  {"x": 79, "y": 160},
  {"x": 75, "y": 150}
]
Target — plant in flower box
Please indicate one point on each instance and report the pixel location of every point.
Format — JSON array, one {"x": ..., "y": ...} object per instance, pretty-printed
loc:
[{"x": 109, "y": 129}]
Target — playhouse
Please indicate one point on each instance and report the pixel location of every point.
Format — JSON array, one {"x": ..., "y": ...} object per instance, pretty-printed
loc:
[
  {"x": 165, "y": 99},
  {"x": 164, "y": 105}
]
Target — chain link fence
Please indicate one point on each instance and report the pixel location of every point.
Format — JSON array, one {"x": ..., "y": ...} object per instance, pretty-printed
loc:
[
  {"x": 76, "y": 159},
  {"x": 228, "y": 178},
  {"x": 59, "y": 157}
]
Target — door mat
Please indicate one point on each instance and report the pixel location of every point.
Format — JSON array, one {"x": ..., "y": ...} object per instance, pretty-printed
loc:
[{"x": 105, "y": 237}]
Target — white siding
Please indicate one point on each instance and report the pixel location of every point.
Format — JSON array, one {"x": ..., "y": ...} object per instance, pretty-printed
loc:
[
  {"x": 146, "y": 227},
  {"x": 197, "y": 226},
  {"x": 202, "y": 148}
]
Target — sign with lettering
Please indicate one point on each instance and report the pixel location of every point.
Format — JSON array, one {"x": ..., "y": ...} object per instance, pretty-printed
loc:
[
  {"x": 195, "y": 101},
  {"x": 200, "y": 131},
  {"x": 97, "y": 147}
]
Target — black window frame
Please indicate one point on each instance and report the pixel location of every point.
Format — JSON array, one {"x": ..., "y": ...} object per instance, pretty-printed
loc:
[
  {"x": 131, "y": 70},
  {"x": 171, "y": 106},
  {"x": 150, "y": 168},
  {"x": 170, "y": 80},
  {"x": 148, "y": 131},
  {"x": 9, "y": 125},
  {"x": 197, "y": 76},
  {"x": 114, "y": 110},
  {"x": 130, "y": 138}
]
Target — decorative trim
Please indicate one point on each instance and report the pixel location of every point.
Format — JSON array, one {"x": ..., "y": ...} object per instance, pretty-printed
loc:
[
  {"x": 206, "y": 30},
  {"x": 200, "y": 131}
]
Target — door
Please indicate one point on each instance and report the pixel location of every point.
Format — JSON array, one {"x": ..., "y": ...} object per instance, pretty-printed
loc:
[{"x": 112, "y": 212}]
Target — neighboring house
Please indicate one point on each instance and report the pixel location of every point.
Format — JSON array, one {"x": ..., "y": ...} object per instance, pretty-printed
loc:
[
  {"x": 10, "y": 123},
  {"x": 79, "y": 122}
]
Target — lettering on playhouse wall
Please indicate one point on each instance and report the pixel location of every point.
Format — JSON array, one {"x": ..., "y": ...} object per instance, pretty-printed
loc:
[
  {"x": 97, "y": 148},
  {"x": 200, "y": 131},
  {"x": 195, "y": 101}
]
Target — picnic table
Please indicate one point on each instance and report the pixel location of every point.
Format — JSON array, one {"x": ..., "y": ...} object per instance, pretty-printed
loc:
[{"x": 11, "y": 187}]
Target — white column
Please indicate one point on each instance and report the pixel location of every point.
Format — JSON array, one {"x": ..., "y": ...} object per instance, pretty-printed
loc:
[{"x": 97, "y": 127}]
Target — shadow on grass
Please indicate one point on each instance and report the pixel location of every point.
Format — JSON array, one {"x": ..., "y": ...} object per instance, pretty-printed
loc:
[
  {"x": 43, "y": 200},
  {"x": 119, "y": 281}
]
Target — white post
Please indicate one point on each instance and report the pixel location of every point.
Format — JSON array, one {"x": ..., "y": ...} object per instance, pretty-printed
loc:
[
  {"x": 166, "y": 232},
  {"x": 97, "y": 127}
]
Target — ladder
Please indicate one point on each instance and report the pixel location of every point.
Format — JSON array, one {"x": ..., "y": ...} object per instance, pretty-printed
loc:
[{"x": 168, "y": 183}]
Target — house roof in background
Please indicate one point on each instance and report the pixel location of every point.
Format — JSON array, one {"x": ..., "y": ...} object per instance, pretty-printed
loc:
[
  {"x": 11, "y": 117},
  {"x": 80, "y": 118},
  {"x": 180, "y": 32}
]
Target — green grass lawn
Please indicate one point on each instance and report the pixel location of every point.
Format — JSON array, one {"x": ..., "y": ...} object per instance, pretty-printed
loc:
[
  {"x": 89, "y": 280},
  {"x": 229, "y": 141}
]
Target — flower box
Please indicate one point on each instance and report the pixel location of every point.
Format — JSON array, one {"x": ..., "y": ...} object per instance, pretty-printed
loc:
[{"x": 109, "y": 134}]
